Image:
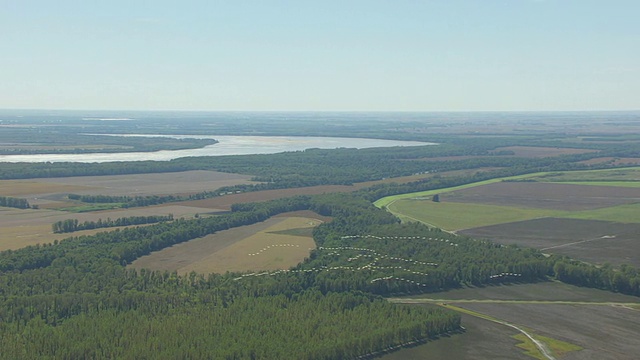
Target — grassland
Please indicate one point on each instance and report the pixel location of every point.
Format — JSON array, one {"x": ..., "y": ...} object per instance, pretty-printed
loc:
[
  {"x": 277, "y": 243},
  {"x": 627, "y": 213},
  {"x": 457, "y": 216}
]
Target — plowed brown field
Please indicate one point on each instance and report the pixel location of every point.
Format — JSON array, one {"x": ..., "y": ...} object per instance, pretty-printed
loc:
[
  {"x": 546, "y": 195},
  {"x": 588, "y": 240}
]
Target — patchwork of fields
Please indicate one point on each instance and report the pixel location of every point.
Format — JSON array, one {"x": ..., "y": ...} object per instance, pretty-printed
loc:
[{"x": 588, "y": 215}]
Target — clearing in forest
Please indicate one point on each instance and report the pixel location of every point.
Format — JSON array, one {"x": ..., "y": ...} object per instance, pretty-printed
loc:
[{"x": 278, "y": 243}]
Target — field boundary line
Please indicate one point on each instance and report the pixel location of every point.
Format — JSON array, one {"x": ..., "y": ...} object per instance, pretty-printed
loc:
[
  {"x": 542, "y": 347},
  {"x": 495, "y": 301}
]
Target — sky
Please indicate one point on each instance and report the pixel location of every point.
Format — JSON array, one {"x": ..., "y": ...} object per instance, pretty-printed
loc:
[{"x": 349, "y": 55}]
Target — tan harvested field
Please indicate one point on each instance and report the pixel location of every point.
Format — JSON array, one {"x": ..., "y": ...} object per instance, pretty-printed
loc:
[
  {"x": 43, "y": 191},
  {"x": 28, "y": 188},
  {"x": 248, "y": 248},
  {"x": 20, "y": 228},
  {"x": 539, "y": 152},
  {"x": 305, "y": 214},
  {"x": 555, "y": 196},
  {"x": 225, "y": 202}
]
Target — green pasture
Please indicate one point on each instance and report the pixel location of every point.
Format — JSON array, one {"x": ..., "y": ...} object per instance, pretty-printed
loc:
[
  {"x": 627, "y": 213},
  {"x": 457, "y": 216}
]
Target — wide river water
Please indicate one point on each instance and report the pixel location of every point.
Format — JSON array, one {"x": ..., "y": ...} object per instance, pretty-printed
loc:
[{"x": 227, "y": 145}]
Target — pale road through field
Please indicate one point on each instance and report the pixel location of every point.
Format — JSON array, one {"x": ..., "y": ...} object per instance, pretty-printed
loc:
[{"x": 539, "y": 344}]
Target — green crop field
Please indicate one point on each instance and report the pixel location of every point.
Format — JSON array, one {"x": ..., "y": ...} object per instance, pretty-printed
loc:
[
  {"x": 622, "y": 214},
  {"x": 457, "y": 216}
]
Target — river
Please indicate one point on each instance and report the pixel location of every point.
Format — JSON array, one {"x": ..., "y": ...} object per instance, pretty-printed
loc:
[{"x": 227, "y": 145}]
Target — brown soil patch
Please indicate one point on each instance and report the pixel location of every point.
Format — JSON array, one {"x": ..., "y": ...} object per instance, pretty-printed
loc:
[
  {"x": 482, "y": 340},
  {"x": 592, "y": 241},
  {"x": 225, "y": 202},
  {"x": 540, "y": 152},
  {"x": 452, "y": 158},
  {"x": 305, "y": 214},
  {"x": 546, "y": 195},
  {"x": 21, "y": 188},
  {"x": 152, "y": 184},
  {"x": 611, "y": 161},
  {"x": 605, "y": 332},
  {"x": 251, "y": 247}
]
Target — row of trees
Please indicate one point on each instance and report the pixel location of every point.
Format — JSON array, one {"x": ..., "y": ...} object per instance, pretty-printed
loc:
[
  {"x": 19, "y": 203},
  {"x": 71, "y": 225}
]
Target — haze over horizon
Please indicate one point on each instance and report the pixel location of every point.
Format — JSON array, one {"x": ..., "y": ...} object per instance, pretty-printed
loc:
[{"x": 529, "y": 55}]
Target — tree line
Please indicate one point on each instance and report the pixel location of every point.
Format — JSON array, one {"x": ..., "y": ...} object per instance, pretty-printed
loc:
[
  {"x": 19, "y": 203},
  {"x": 71, "y": 225}
]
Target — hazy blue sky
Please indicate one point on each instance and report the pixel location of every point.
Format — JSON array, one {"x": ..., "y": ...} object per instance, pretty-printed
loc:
[{"x": 320, "y": 55}]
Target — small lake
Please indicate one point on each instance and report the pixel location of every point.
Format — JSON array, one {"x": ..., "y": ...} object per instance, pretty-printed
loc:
[{"x": 227, "y": 145}]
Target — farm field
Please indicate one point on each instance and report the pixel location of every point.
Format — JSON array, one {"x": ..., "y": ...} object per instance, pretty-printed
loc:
[
  {"x": 603, "y": 331},
  {"x": 590, "y": 220},
  {"x": 552, "y": 196},
  {"x": 20, "y": 228},
  {"x": 453, "y": 216},
  {"x": 45, "y": 191},
  {"x": 619, "y": 174},
  {"x": 540, "y": 152},
  {"x": 278, "y": 243},
  {"x": 612, "y": 161},
  {"x": 588, "y": 240},
  {"x": 482, "y": 340},
  {"x": 225, "y": 202}
]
